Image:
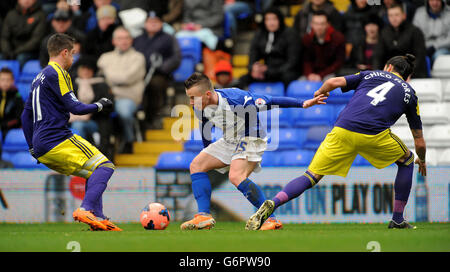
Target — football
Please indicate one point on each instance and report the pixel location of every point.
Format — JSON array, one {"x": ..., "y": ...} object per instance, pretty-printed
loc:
[{"x": 155, "y": 216}]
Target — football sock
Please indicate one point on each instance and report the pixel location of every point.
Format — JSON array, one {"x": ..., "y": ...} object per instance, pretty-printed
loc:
[
  {"x": 201, "y": 187},
  {"x": 294, "y": 188},
  {"x": 96, "y": 185},
  {"x": 402, "y": 187},
  {"x": 253, "y": 193}
]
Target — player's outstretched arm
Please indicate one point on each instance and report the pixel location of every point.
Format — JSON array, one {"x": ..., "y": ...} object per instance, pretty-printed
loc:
[
  {"x": 331, "y": 84},
  {"x": 419, "y": 144},
  {"x": 74, "y": 106}
]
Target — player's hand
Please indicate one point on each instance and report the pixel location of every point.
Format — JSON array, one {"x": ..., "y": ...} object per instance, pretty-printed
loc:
[
  {"x": 320, "y": 99},
  {"x": 104, "y": 104},
  {"x": 318, "y": 92},
  {"x": 422, "y": 167}
]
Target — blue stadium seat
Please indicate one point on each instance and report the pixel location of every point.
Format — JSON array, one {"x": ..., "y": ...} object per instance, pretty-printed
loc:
[
  {"x": 271, "y": 159},
  {"x": 191, "y": 47},
  {"x": 13, "y": 65},
  {"x": 7, "y": 156},
  {"x": 23, "y": 159},
  {"x": 337, "y": 109},
  {"x": 186, "y": 68},
  {"x": 30, "y": 70},
  {"x": 360, "y": 161},
  {"x": 289, "y": 138},
  {"x": 15, "y": 141},
  {"x": 175, "y": 160},
  {"x": 338, "y": 97},
  {"x": 24, "y": 90},
  {"x": 302, "y": 88},
  {"x": 194, "y": 143},
  {"x": 285, "y": 117},
  {"x": 297, "y": 157},
  {"x": 322, "y": 115},
  {"x": 315, "y": 135},
  {"x": 270, "y": 88}
]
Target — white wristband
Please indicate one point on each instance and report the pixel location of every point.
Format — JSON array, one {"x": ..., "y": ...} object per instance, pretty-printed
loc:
[{"x": 99, "y": 105}]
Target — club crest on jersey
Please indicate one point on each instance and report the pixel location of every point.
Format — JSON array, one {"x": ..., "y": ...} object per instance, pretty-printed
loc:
[{"x": 260, "y": 102}]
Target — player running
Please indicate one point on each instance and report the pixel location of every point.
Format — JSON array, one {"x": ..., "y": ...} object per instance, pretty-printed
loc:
[
  {"x": 363, "y": 127},
  {"x": 240, "y": 149},
  {"x": 45, "y": 126}
]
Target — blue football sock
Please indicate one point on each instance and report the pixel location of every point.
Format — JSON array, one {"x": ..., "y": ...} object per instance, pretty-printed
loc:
[
  {"x": 201, "y": 187},
  {"x": 253, "y": 193}
]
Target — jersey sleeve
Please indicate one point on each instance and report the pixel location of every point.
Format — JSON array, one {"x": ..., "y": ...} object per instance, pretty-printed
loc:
[
  {"x": 352, "y": 82},
  {"x": 413, "y": 114}
]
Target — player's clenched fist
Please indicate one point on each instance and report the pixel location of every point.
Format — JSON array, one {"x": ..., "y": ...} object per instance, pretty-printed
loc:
[{"x": 104, "y": 104}]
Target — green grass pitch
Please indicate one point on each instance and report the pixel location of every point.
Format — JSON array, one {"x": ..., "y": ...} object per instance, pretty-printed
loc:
[{"x": 225, "y": 237}]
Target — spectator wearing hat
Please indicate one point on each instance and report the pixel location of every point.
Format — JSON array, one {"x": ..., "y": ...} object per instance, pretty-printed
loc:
[
  {"x": 163, "y": 56},
  {"x": 124, "y": 71},
  {"x": 99, "y": 40},
  {"x": 22, "y": 31},
  {"x": 223, "y": 72},
  {"x": 61, "y": 22},
  {"x": 90, "y": 18},
  {"x": 96, "y": 128},
  {"x": 434, "y": 21}
]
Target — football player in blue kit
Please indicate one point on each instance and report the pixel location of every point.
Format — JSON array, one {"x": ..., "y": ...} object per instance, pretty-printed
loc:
[
  {"x": 363, "y": 127},
  {"x": 239, "y": 151}
]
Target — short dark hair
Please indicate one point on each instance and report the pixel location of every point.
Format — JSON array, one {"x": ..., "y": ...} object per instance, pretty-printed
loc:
[
  {"x": 58, "y": 42},
  {"x": 397, "y": 5},
  {"x": 6, "y": 70},
  {"x": 320, "y": 13},
  {"x": 404, "y": 65},
  {"x": 198, "y": 79}
]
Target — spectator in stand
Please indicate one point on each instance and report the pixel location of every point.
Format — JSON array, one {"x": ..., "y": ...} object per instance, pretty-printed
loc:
[
  {"x": 11, "y": 103},
  {"x": 99, "y": 40},
  {"x": 399, "y": 38},
  {"x": 323, "y": 48},
  {"x": 354, "y": 17},
  {"x": 163, "y": 56},
  {"x": 407, "y": 6},
  {"x": 362, "y": 52},
  {"x": 274, "y": 52},
  {"x": 22, "y": 31},
  {"x": 434, "y": 21},
  {"x": 61, "y": 23},
  {"x": 124, "y": 71},
  {"x": 90, "y": 18},
  {"x": 204, "y": 20},
  {"x": 223, "y": 72},
  {"x": 96, "y": 128},
  {"x": 302, "y": 21}
]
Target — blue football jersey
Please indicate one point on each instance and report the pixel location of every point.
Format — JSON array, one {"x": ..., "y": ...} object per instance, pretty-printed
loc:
[{"x": 379, "y": 100}]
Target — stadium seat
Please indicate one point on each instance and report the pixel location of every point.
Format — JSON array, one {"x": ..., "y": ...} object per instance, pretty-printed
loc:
[
  {"x": 30, "y": 70},
  {"x": 15, "y": 141},
  {"x": 191, "y": 47},
  {"x": 271, "y": 159},
  {"x": 338, "y": 97},
  {"x": 13, "y": 65},
  {"x": 434, "y": 113},
  {"x": 296, "y": 157},
  {"x": 194, "y": 143},
  {"x": 441, "y": 67},
  {"x": 288, "y": 138},
  {"x": 186, "y": 68},
  {"x": 427, "y": 89},
  {"x": 24, "y": 90},
  {"x": 285, "y": 117},
  {"x": 175, "y": 160},
  {"x": 322, "y": 115},
  {"x": 438, "y": 136},
  {"x": 302, "y": 89},
  {"x": 315, "y": 135},
  {"x": 269, "y": 88},
  {"x": 404, "y": 133},
  {"x": 7, "y": 156},
  {"x": 446, "y": 91},
  {"x": 337, "y": 110},
  {"x": 444, "y": 157},
  {"x": 23, "y": 159}
]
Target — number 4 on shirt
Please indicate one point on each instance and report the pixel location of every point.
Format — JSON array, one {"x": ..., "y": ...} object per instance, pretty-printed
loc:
[{"x": 379, "y": 93}]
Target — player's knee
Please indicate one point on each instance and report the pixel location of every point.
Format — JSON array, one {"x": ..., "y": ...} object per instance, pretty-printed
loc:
[
  {"x": 236, "y": 177},
  {"x": 406, "y": 160},
  {"x": 195, "y": 167}
]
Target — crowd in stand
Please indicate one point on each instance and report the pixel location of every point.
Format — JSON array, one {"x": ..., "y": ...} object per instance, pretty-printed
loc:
[{"x": 133, "y": 63}]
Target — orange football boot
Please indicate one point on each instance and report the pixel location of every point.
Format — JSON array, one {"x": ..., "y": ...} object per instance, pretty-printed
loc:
[
  {"x": 271, "y": 224},
  {"x": 200, "y": 221},
  {"x": 88, "y": 218},
  {"x": 110, "y": 225}
]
